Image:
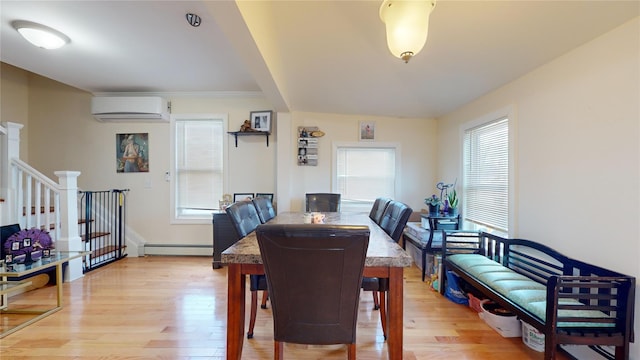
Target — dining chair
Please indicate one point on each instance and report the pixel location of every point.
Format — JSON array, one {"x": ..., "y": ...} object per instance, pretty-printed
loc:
[
  {"x": 245, "y": 219},
  {"x": 393, "y": 221},
  {"x": 377, "y": 210},
  {"x": 264, "y": 207},
  {"x": 314, "y": 273},
  {"x": 322, "y": 202}
]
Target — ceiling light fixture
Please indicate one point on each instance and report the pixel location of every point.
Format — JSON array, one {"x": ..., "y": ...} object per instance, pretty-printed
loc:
[
  {"x": 40, "y": 35},
  {"x": 407, "y": 24}
]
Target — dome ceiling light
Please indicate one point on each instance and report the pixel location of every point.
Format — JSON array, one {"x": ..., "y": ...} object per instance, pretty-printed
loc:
[{"x": 40, "y": 35}]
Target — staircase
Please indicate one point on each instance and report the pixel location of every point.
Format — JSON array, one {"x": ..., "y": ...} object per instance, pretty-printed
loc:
[{"x": 31, "y": 199}]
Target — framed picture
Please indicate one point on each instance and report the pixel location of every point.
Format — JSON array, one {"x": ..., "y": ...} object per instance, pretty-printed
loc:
[
  {"x": 15, "y": 245},
  {"x": 8, "y": 258},
  {"x": 367, "y": 131},
  {"x": 265, "y": 195},
  {"x": 261, "y": 120},
  {"x": 46, "y": 253},
  {"x": 242, "y": 196},
  {"x": 132, "y": 153},
  {"x": 26, "y": 242}
]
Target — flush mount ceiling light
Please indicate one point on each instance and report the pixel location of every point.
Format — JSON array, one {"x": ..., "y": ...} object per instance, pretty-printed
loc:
[
  {"x": 407, "y": 24},
  {"x": 40, "y": 35}
]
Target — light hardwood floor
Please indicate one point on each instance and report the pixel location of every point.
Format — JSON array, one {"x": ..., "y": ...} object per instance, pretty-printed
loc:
[{"x": 175, "y": 308}]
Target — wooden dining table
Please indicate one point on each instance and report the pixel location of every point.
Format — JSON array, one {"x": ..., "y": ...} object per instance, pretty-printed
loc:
[{"x": 385, "y": 259}]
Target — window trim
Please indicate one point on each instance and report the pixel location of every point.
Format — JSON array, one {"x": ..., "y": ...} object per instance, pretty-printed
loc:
[
  {"x": 508, "y": 112},
  {"x": 173, "y": 218},
  {"x": 398, "y": 159}
]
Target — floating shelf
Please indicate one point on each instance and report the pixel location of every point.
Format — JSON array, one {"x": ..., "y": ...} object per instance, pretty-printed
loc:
[{"x": 249, "y": 133}]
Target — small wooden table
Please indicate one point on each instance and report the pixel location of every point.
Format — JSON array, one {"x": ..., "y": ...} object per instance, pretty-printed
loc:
[
  {"x": 385, "y": 259},
  {"x": 20, "y": 271}
]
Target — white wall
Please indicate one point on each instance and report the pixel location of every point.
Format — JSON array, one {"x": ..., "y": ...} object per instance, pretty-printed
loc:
[{"x": 578, "y": 152}]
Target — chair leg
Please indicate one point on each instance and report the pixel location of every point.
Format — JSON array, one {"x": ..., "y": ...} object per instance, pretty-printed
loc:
[
  {"x": 265, "y": 296},
  {"x": 383, "y": 313},
  {"x": 278, "y": 349},
  {"x": 376, "y": 304},
  {"x": 351, "y": 351},
  {"x": 252, "y": 317}
]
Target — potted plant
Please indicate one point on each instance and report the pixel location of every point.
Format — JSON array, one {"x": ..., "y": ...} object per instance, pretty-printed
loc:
[
  {"x": 434, "y": 203},
  {"x": 452, "y": 197}
]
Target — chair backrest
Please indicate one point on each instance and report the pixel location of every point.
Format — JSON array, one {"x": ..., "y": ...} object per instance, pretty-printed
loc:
[
  {"x": 395, "y": 218},
  {"x": 377, "y": 210},
  {"x": 264, "y": 207},
  {"x": 244, "y": 217},
  {"x": 328, "y": 202},
  {"x": 314, "y": 274}
]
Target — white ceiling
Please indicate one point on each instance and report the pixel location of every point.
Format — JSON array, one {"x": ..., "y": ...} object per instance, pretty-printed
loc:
[{"x": 316, "y": 56}]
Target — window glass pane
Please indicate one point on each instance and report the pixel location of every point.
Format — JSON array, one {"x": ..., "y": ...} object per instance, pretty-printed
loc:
[
  {"x": 486, "y": 175},
  {"x": 198, "y": 167},
  {"x": 364, "y": 174}
]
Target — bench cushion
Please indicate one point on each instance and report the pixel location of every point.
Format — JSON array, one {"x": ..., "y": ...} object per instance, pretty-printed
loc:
[{"x": 523, "y": 291}]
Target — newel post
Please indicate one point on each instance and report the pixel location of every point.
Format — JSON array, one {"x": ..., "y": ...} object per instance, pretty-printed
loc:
[
  {"x": 10, "y": 150},
  {"x": 69, "y": 237}
]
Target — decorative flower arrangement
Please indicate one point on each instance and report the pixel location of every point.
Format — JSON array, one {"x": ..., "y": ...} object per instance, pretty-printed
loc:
[{"x": 28, "y": 242}]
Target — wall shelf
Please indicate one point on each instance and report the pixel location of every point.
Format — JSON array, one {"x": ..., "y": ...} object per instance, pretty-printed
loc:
[{"x": 248, "y": 133}]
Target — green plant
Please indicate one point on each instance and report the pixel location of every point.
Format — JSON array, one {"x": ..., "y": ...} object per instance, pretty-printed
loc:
[
  {"x": 433, "y": 200},
  {"x": 453, "y": 199}
]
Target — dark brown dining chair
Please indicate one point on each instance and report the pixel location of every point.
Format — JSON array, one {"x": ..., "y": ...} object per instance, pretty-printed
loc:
[
  {"x": 245, "y": 219},
  {"x": 322, "y": 202},
  {"x": 314, "y": 273},
  {"x": 393, "y": 221},
  {"x": 378, "y": 208},
  {"x": 265, "y": 209}
]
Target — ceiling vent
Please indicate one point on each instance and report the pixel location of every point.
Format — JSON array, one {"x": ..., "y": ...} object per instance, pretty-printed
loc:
[{"x": 132, "y": 108}]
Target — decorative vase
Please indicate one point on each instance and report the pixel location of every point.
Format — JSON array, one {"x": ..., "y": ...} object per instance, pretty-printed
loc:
[
  {"x": 453, "y": 211},
  {"x": 434, "y": 210}
]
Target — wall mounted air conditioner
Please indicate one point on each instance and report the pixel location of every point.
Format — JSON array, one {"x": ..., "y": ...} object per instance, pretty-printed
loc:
[{"x": 130, "y": 108}]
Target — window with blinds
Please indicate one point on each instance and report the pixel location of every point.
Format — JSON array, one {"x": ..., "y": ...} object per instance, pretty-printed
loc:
[
  {"x": 486, "y": 175},
  {"x": 364, "y": 174},
  {"x": 198, "y": 171}
]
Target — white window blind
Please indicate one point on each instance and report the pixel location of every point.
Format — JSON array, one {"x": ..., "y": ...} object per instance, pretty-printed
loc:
[
  {"x": 486, "y": 175},
  {"x": 364, "y": 174},
  {"x": 198, "y": 171}
]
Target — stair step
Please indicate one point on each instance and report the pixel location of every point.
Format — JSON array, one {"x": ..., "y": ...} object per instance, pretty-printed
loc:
[
  {"x": 94, "y": 235},
  {"x": 106, "y": 250}
]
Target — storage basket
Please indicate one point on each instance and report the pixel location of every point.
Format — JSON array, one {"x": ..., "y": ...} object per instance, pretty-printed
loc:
[{"x": 532, "y": 337}]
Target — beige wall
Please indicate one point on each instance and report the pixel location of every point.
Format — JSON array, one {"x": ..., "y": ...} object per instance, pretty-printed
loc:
[
  {"x": 14, "y": 100},
  {"x": 64, "y": 136},
  {"x": 578, "y": 152}
]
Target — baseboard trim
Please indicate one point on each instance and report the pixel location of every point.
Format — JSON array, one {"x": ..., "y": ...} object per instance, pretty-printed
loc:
[{"x": 178, "y": 249}]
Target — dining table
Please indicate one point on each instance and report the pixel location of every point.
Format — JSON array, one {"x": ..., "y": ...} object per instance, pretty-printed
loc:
[{"x": 385, "y": 259}]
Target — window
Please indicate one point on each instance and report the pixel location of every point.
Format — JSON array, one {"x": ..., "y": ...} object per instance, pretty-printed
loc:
[
  {"x": 358, "y": 180},
  {"x": 486, "y": 175},
  {"x": 198, "y": 166}
]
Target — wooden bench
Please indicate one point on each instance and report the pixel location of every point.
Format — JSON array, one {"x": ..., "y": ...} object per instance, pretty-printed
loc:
[{"x": 567, "y": 300}]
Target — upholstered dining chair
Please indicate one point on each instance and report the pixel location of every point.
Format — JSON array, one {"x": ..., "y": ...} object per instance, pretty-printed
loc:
[
  {"x": 245, "y": 219},
  {"x": 377, "y": 210},
  {"x": 265, "y": 209},
  {"x": 314, "y": 273},
  {"x": 322, "y": 202},
  {"x": 393, "y": 221}
]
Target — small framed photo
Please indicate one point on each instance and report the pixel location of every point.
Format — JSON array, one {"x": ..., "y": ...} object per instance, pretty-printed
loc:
[
  {"x": 8, "y": 259},
  {"x": 26, "y": 242},
  {"x": 46, "y": 253},
  {"x": 15, "y": 245},
  {"x": 242, "y": 196},
  {"x": 367, "y": 131},
  {"x": 261, "y": 120}
]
